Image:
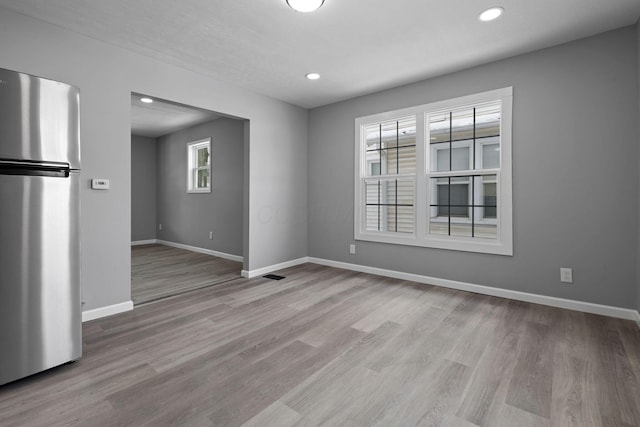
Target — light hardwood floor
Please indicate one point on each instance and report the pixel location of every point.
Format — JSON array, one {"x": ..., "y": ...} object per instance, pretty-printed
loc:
[
  {"x": 332, "y": 347},
  {"x": 158, "y": 271}
]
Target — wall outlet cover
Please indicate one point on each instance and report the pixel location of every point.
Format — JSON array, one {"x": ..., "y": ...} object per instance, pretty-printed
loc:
[{"x": 566, "y": 275}]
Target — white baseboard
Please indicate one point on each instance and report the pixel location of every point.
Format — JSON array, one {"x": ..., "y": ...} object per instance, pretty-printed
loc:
[
  {"x": 605, "y": 310},
  {"x": 587, "y": 307},
  {"x": 109, "y": 310},
  {"x": 265, "y": 270},
  {"x": 201, "y": 250},
  {"x": 144, "y": 242}
]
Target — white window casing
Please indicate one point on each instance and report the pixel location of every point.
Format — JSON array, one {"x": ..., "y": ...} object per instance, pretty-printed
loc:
[{"x": 411, "y": 196}]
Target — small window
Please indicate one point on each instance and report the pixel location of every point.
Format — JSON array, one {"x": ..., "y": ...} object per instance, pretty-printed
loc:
[
  {"x": 199, "y": 166},
  {"x": 375, "y": 168}
]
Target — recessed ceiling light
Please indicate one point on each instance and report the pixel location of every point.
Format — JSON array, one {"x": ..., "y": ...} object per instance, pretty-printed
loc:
[
  {"x": 146, "y": 100},
  {"x": 313, "y": 76},
  {"x": 305, "y": 5},
  {"x": 491, "y": 14}
]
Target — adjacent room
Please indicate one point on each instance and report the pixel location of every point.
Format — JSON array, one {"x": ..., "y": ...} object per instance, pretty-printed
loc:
[
  {"x": 330, "y": 213},
  {"x": 186, "y": 198}
]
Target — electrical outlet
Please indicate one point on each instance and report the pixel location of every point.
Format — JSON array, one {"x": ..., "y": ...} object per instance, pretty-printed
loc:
[
  {"x": 352, "y": 249},
  {"x": 211, "y": 235},
  {"x": 566, "y": 275},
  {"x": 160, "y": 227}
]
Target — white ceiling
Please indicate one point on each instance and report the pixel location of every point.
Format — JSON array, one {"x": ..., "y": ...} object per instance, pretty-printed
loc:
[
  {"x": 358, "y": 46},
  {"x": 164, "y": 117}
]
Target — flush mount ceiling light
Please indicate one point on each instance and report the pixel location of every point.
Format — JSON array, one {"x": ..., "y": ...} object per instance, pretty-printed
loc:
[
  {"x": 305, "y": 5},
  {"x": 491, "y": 14},
  {"x": 146, "y": 100},
  {"x": 313, "y": 76}
]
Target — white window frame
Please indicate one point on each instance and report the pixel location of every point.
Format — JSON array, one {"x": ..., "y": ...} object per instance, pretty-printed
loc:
[
  {"x": 192, "y": 168},
  {"x": 503, "y": 243}
]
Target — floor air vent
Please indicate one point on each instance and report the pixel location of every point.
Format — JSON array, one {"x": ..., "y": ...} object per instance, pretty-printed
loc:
[{"x": 273, "y": 277}]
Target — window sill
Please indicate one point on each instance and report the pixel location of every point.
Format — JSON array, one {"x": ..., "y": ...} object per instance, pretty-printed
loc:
[{"x": 475, "y": 245}]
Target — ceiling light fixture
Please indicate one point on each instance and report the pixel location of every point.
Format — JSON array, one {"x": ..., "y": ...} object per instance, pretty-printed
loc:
[
  {"x": 313, "y": 76},
  {"x": 305, "y": 5},
  {"x": 146, "y": 100},
  {"x": 491, "y": 14}
]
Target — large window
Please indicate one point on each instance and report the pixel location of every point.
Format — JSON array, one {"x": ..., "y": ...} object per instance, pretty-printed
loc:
[
  {"x": 437, "y": 175},
  {"x": 199, "y": 166}
]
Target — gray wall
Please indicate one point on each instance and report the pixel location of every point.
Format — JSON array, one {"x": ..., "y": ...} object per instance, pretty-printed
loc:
[
  {"x": 106, "y": 76},
  {"x": 143, "y": 188},
  {"x": 187, "y": 218},
  {"x": 575, "y": 181},
  {"x": 638, "y": 124}
]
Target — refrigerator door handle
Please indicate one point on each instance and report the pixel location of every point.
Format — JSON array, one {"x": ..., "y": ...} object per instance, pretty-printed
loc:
[{"x": 30, "y": 168}]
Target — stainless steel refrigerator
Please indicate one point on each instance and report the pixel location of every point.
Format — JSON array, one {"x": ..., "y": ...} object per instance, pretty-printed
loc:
[{"x": 40, "y": 302}]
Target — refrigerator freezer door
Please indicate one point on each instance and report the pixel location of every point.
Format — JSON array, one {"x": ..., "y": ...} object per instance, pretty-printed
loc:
[
  {"x": 38, "y": 119},
  {"x": 40, "y": 306}
]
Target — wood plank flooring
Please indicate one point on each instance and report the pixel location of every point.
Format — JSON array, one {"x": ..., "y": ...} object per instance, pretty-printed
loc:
[
  {"x": 158, "y": 271},
  {"x": 332, "y": 347}
]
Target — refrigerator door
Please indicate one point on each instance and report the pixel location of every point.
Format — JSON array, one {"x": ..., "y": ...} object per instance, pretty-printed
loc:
[
  {"x": 38, "y": 119},
  {"x": 40, "y": 305}
]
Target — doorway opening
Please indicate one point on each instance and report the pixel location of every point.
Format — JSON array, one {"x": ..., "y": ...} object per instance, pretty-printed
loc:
[{"x": 187, "y": 198}]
